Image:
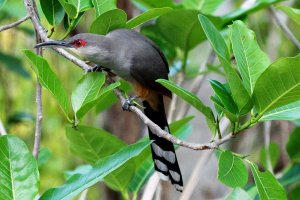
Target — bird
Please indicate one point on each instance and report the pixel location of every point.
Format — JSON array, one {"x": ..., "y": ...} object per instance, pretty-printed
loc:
[{"x": 138, "y": 60}]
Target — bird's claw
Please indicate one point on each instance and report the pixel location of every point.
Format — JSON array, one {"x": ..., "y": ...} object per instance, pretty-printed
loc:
[
  {"x": 95, "y": 69},
  {"x": 127, "y": 103}
]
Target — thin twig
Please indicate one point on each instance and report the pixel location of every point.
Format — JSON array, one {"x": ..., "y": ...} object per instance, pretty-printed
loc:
[
  {"x": 267, "y": 137},
  {"x": 285, "y": 28},
  {"x": 150, "y": 188},
  {"x": 2, "y": 129},
  {"x": 38, "y": 99},
  {"x": 14, "y": 24}
]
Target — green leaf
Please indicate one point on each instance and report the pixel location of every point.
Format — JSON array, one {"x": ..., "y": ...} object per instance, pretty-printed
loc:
[
  {"x": 224, "y": 96},
  {"x": 145, "y": 167},
  {"x": 221, "y": 108},
  {"x": 251, "y": 60},
  {"x": 146, "y": 16},
  {"x": 192, "y": 99},
  {"x": 91, "y": 144},
  {"x": 267, "y": 185},
  {"x": 81, "y": 169},
  {"x": 90, "y": 104},
  {"x": 274, "y": 153},
  {"x": 286, "y": 112},
  {"x": 79, "y": 182},
  {"x": 149, "y": 4},
  {"x": 19, "y": 171},
  {"x": 102, "y": 6},
  {"x": 238, "y": 91},
  {"x": 278, "y": 85},
  {"x": 109, "y": 21},
  {"x": 86, "y": 90},
  {"x": 238, "y": 194},
  {"x": 13, "y": 64},
  {"x": 81, "y": 5},
  {"x": 181, "y": 28},
  {"x": 292, "y": 146},
  {"x": 53, "y": 11},
  {"x": 205, "y": 6},
  {"x": 231, "y": 170},
  {"x": 69, "y": 8},
  {"x": 293, "y": 13},
  {"x": 48, "y": 79}
]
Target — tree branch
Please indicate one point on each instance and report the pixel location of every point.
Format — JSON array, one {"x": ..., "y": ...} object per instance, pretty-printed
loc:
[
  {"x": 14, "y": 24},
  {"x": 285, "y": 28}
]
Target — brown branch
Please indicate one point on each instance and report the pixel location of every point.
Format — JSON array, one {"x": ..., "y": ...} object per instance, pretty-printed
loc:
[
  {"x": 154, "y": 127},
  {"x": 285, "y": 28},
  {"x": 14, "y": 24}
]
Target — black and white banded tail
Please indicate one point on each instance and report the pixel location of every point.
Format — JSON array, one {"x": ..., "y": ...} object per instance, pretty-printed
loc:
[{"x": 163, "y": 152}]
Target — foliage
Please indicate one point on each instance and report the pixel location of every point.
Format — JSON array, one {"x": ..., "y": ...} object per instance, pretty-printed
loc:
[{"x": 253, "y": 89}]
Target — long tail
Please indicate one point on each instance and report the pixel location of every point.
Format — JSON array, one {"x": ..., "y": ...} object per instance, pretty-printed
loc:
[{"x": 163, "y": 152}]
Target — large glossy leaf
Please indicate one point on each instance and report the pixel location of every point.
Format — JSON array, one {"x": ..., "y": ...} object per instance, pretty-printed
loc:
[
  {"x": 251, "y": 60},
  {"x": 238, "y": 194},
  {"x": 19, "y": 176},
  {"x": 93, "y": 144},
  {"x": 231, "y": 170},
  {"x": 81, "y": 5},
  {"x": 13, "y": 64},
  {"x": 48, "y": 79},
  {"x": 192, "y": 99},
  {"x": 146, "y": 16},
  {"x": 181, "y": 28},
  {"x": 102, "y": 6},
  {"x": 292, "y": 146},
  {"x": 287, "y": 112},
  {"x": 267, "y": 185},
  {"x": 90, "y": 104},
  {"x": 86, "y": 90},
  {"x": 109, "y": 21},
  {"x": 53, "y": 11},
  {"x": 144, "y": 162},
  {"x": 238, "y": 91},
  {"x": 79, "y": 182},
  {"x": 205, "y": 6},
  {"x": 293, "y": 13},
  {"x": 279, "y": 85}
]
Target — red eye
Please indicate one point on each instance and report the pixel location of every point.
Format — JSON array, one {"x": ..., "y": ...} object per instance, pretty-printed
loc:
[{"x": 79, "y": 43}]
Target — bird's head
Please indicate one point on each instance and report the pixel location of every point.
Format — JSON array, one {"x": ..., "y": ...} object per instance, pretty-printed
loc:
[{"x": 87, "y": 46}]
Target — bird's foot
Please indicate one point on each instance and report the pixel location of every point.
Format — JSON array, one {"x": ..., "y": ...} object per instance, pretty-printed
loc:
[
  {"x": 97, "y": 68},
  {"x": 130, "y": 101}
]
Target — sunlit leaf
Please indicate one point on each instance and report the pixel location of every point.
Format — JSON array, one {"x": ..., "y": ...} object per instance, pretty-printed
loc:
[
  {"x": 146, "y": 16},
  {"x": 109, "y": 21},
  {"x": 267, "y": 185},
  {"x": 278, "y": 85},
  {"x": 79, "y": 182},
  {"x": 19, "y": 171},
  {"x": 251, "y": 60},
  {"x": 48, "y": 79},
  {"x": 293, "y": 13},
  {"x": 231, "y": 170},
  {"x": 102, "y": 6}
]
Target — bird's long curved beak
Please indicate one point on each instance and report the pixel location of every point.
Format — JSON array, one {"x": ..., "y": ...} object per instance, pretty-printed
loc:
[{"x": 54, "y": 43}]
